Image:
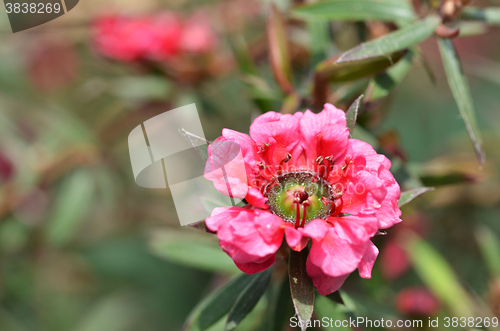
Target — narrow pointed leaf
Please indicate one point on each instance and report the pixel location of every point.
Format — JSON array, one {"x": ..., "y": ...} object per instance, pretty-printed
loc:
[
  {"x": 438, "y": 275},
  {"x": 395, "y": 41},
  {"x": 382, "y": 85},
  {"x": 489, "y": 15},
  {"x": 258, "y": 89},
  {"x": 352, "y": 114},
  {"x": 356, "y": 10},
  {"x": 248, "y": 298},
  {"x": 280, "y": 307},
  {"x": 291, "y": 103},
  {"x": 409, "y": 195},
  {"x": 325, "y": 308},
  {"x": 461, "y": 92},
  {"x": 301, "y": 285},
  {"x": 320, "y": 41},
  {"x": 447, "y": 179},
  {"x": 218, "y": 304},
  {"x": 72, "y": 204},
  {"x": 489, "y": 244},
  {"x": 331, "y": 70},
  {"x": 278, "y": 49}
]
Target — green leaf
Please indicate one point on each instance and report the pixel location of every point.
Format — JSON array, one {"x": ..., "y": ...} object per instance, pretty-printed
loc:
[
  {"x": 489, "y": 15},
  {"x": 320, "y": 41},
  {"x": 395, "y": 41},
  {"x": 384, "y": 83},
  {"x": 460, "y": 90},
  {"x": 74, "y": 198},
  {"x": 248, "y": 298},
  {"x": 352, "y": 114},
  {"x": 258, "y": 87},
  {"x": 439, "y": 277},
  {"x": 409, "y": 195},
  {"x": 280, "y": 307},
  {"x": 362, "y": 134},
  {"x": 331, "y": 70},
  {"x": 335, "y": 297},
  {"x": 329, "y": 309},
  {"x": 113, "y": 313},
  {"x": 218, "y": 304},
  {"x": 301, "y": 286},
  {"x": 447, "y": 179},
  {"x": 142, "y": 88},
  {"x": 278, "y": 49},
  {"x": 356, "y": 10},
  {"x": 192, "y": 250},
  {"x": 468, "y": 29},
  {"x": 490, "y": 249},
  {"x": 291, "y": 103}
]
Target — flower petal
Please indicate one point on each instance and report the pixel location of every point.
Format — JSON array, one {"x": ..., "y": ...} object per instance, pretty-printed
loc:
[
  {"x": 295, "y": 239},
  {"x": 366, "y": 265},
  {"x": 355, "y": 229},
  {"x": 280, "y": 131},
  {"x": 253, "y": 267},
  {"x": 324, "y": 134},
  {"x": 249, "y": 237},
  {"x": 256, "y": 198},
  {"x": 334, "y": 255},
  {"x": 389, "y": 212},
  {"x": 324, "y": 283}
]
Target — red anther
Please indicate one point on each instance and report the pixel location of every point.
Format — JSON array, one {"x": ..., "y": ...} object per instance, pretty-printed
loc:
[
  {"x": 345, "y": 167},
  {"x": 287, "y": 158},
  {"x": 262, "y": 147},
  {"x": 326, "y": 201},
  {"x": 314, "y": 179},
  {"x": 303, "y": 196}
]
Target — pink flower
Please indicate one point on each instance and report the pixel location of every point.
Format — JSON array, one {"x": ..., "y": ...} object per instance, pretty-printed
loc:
[
  {"x": 417, "y": 302},
  {"x": 198, "y": 36},
  {"x": 156, "y": 37},
  {"x": 306, "y": 181},
  {"x": 122, "y": 38}
]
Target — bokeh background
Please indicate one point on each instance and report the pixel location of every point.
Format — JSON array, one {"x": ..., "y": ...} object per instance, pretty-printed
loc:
[{"x": 83, "y": 248}]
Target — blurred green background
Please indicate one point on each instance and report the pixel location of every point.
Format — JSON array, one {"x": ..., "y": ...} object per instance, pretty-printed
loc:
[{"x": 83, "y": 248}]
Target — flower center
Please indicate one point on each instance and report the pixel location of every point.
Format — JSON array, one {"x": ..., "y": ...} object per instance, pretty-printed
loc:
[{"x": 299, "y": 197}]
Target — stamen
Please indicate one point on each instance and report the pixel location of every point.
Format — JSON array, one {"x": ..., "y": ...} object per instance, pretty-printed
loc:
[
  {"x": 287, "y": 158},
  {"x": 339, "y": 203},
  {"x": 304, "y": 215},
  {"x": 329, "y": 167},
  {"x": 297, "y": 217}
]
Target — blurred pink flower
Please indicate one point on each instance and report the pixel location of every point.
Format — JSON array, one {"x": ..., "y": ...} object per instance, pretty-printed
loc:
[
  {"x": 197, "y": 36},
  {"x": 394, "y": 260},
  {"x": 304, "y": 179},
  {"x": 6, "y": 168},
  {"x": 122, "y": 38},
  {"x": 155, "y": 37},
  {"x": 417, "y": 302}
]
